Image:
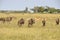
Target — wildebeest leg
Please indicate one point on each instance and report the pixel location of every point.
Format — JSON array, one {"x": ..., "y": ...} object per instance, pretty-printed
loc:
[
  {"x": 19, "y": 25},
  {"x": 3, "y": 21},
  {"x": 29, "y": 25}
]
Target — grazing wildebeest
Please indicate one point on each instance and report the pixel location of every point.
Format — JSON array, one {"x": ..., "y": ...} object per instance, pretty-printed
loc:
[
  {"x": 31, "y": 22},
  {"x": 21, "y": 22},
  {"x": 57, "y": 21},
  {"x": 44, "y": 22}
]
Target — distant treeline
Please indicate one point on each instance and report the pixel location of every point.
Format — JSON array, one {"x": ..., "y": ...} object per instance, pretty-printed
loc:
[
  {"x": 36, "y": 9},
  {"x": 45, "y": 9}
]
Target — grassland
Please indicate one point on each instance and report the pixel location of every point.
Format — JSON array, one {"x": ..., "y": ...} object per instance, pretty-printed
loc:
[{"x": 11, "y": 31}]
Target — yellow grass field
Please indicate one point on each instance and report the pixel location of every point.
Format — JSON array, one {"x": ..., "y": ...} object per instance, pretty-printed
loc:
[{"x": 11, "y": 31}]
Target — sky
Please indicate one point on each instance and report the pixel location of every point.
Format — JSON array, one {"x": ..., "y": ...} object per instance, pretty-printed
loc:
[{"x": 21, "y": 4}]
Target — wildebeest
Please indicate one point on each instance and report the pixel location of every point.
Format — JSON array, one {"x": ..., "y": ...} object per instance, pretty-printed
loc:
[
  {"x": 31, "y": 22},
  {"x": 21, "y": 22},
  {"x": 57, "y": 21},
  {"x": 44, "y": 22}
]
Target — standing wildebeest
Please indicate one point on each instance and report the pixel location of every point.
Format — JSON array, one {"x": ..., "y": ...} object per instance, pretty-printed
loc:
[
  {"x": 57, "y": 21},
  {"x": 21, "y": 22},
  {"x": 31, "y": 22},
  {"x": 44, "y": 22}
]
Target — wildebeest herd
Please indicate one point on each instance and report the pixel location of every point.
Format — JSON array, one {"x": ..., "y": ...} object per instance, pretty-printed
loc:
[
  {"x": 6, "y": 19},
  {"x": 31, "y": 21}
]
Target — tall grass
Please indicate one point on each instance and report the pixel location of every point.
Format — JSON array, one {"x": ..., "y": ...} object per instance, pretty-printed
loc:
[{"x": 11, "y": 31}]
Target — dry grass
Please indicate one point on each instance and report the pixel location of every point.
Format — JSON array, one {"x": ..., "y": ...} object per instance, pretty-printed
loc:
[{"x": 11, "y": 31}]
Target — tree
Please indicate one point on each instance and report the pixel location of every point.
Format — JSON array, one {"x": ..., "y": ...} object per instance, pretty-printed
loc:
[
  {"x": 41, "y": 9},
  {"x": 58, "y": 10},
  {"x": 36, "y": 9},
  {"x": 45, "y": 9},
  {"x": 50, "y": 9}
]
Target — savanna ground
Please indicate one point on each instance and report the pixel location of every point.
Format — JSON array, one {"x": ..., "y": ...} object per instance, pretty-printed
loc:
[{"x": 11, "y": 31}]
